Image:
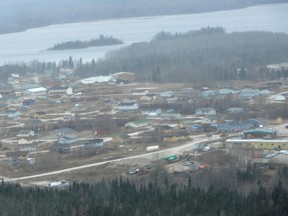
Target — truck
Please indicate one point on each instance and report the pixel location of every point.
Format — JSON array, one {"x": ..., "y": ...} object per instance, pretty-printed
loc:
[{"x": 223, "y": 134}]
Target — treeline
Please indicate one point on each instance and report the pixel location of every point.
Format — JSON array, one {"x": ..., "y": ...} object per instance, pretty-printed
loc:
[
  {"x": 101, "y": 41},
  {"x": 121, "y": 197},
  {"x": 209, "y": 54},
  {"x": 36, "y": 13}
]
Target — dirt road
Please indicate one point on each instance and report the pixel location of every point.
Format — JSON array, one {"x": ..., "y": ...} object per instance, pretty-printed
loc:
[{"x": 151, "y": 155}]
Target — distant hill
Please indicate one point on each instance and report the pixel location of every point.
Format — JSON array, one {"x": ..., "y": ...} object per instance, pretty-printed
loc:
[{"x": 18, "y": 15}]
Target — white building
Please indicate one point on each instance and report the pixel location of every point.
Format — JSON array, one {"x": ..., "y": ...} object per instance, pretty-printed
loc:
[{"x": 41, "y": 91}]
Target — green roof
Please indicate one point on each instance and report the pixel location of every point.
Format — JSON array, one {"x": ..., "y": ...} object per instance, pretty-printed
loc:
[
  {"x": 260, "y": 131},
  {"x": 24, "y": 131}
]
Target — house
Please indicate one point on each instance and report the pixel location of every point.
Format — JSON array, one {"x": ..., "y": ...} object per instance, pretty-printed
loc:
[
  {"x": 40, "y": 91},
  {"x": 138, "y": 124},
  {"x": 68, "y": 117},
  {"x": 13, "y": 113},
  {"x": 25, "y": 141},
  {"x": 103, "y": 132},
  {"x": 196, "y": 128},
  {"x": 205, "y": 111},
  {"x": 166, "y": 94},
  {"x": 98, "y": 79},
  {"x": 208, "y": 93},
  {"x": 124, "y": 77},
  {"x": 39, "y": 114},
  {"x": 127, "y": 106},
  {"x": 68, "y": 139},
  {"x": 266, "y": 92},
  {"x": 236, "y": 110},
  {"x": 62, "y": 132},
  {"x": 152, "y": 112},
  {"x": 148, "y": 97},
  {"x": 276, "y": 98},
  {"x": 206, "y": 121},
  {"x": 140, "y": 92},
  {"x": 226, "y": 91},
  {"x": 26, "y": 133},
  {"x": 27, "y": 147},
  {"x": 29, "y": 102},
  {"x": 171, "y": 116},
  {"x": 94, "y": 143},
  {"x": 249, "y": 93}
]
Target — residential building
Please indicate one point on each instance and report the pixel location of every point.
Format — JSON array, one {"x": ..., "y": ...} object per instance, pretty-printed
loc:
[
  {"x": 208, "y": 93},
  {"x": 138, "y": 123},
  {"x": 166, "y": 94},
  {"x": 140, "y": 92},
  {"x": 124, "y": 77},
  {"x": 26, "y": 133},
  {"x": 27, "y": 147},
  {"x": 94, "y": 143},
  {"x": 127, "y": 106},
  {"x": 25, "y": 141},
  {"x": 152, "y": 112},
  {"x": 205, "y": 111},
  {"x": 13, "y": 113},
  {"x": 236, "y": 110},
  {"x": 58, "y": 90},
  {"x": 68, "y": 139},
  {"x": 171, "y": 116},
  {"x": 39, "y": 114}
]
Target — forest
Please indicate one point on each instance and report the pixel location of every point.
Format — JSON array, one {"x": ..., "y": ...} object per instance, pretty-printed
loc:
[
  {"x": 199, "y": 56},
  {"x": 123, "y": 197},
  {"x": 19, "y": 15},
  {"x": 208, "y": 54},
  {"x": 101, "y": 41}
]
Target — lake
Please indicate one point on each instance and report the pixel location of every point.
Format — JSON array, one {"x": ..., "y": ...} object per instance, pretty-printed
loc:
[{"x": 33, "y": 43}]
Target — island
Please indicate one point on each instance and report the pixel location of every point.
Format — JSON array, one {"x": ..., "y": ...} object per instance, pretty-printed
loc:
[{"x": 101, "y": 41}]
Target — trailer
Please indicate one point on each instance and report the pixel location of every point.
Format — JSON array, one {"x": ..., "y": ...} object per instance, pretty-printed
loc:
[{"x": 152, "y": 148}]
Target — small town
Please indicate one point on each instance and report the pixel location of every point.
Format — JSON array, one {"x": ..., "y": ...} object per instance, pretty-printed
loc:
[
  {"x": 143, "y": 108},
  {"x": 56, "y": 129}
]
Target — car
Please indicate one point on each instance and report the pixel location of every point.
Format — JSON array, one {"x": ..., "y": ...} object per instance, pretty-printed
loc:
[
  {"x": 206, "y": 148},
  {"x": 187, "y": 163},
  {"x": 286, "y": 126}
]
